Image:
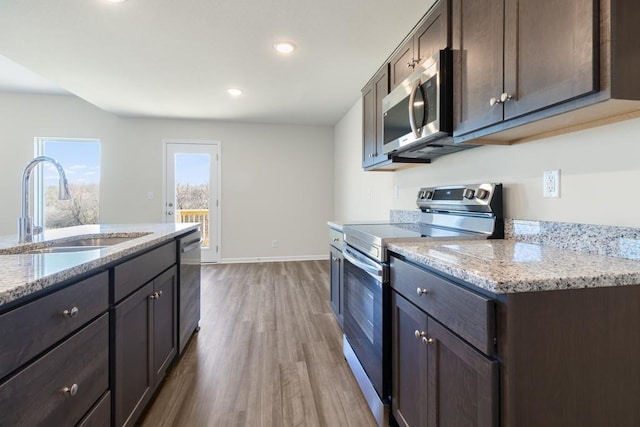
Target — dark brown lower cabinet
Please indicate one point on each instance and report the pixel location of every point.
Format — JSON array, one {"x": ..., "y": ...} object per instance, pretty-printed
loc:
[
  {"x": 437, "y": 378},
  {"x": 145, "y": 344},
  {"x": 58, "y": 388}
]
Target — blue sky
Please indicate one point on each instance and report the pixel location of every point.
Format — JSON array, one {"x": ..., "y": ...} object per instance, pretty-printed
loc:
[
  {"x": 81, "y": 161},
  {"x": 192, "y": 168}
]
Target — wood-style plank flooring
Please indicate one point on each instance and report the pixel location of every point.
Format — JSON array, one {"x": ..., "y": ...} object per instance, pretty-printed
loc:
[{"x": 269, "y": 353}]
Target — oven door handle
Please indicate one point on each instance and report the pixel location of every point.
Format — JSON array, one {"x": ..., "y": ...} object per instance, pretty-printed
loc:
[{"x": 371, "y": 269}]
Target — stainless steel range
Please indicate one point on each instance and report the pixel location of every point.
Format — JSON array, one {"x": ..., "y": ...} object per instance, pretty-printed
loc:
[{"x": 451, "y": 212}]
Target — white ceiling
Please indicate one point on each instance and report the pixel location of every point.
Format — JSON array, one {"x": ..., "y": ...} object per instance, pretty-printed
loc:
[{"x": 170, "y": 58}]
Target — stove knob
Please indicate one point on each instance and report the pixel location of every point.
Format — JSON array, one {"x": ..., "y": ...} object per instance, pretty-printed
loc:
[
  {"x": 421, "y": 194},
  {"x": 428, "y": 194},
  {"x": 469, "y": 193},
  {"x": 482, "y": 194}
]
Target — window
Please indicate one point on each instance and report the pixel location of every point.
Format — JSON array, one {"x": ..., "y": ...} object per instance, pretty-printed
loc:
[{"x": 80, "y": 159}]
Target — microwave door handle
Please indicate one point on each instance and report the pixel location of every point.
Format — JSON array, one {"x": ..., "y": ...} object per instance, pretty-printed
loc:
[{"x": 412, "y": 109}]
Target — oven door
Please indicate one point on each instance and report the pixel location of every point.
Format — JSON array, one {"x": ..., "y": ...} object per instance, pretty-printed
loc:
[{"x": 364, "y": 326}]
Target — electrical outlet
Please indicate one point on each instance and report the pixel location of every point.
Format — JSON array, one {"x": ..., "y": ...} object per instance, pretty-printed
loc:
[
  {"x": 274, "y": 243},
  {"x": 551, "y": 183}
]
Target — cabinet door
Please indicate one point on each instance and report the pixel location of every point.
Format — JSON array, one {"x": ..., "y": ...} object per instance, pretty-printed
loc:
[
  {"x": 132, "y": 354},
  {"x": 368, "y": 124},
  {"x": 550, "y": 52},
  {"x": 477, "y": 39},
  {"x": 335, "y": 266},
  {"x": 372, "y": 126},
  {"x": 401, "y": 64},
  {"x": 165, "y": 316},
  {"x": 409, "y": 363},
  {"x": 381, "y": 86},
  {"x": 462, "y": 384},
  {"x": 432, "y": 35}
]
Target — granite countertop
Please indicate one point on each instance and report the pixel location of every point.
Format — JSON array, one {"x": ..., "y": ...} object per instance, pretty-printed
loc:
[
  {"x": 509, "y": 266},
  {"x": 25, "y": 274}
]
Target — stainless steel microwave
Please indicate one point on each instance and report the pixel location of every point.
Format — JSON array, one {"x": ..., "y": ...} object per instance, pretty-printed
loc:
[{"x": 419, "y": 113}]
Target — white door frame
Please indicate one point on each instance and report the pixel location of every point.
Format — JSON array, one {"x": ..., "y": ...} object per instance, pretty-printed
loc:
[{"x": 215, "y": 207}]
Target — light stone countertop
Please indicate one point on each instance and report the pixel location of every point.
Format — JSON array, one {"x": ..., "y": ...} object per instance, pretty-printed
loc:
[
  {"x": 24, "y": 274},
  {"x": 509, "y": 266}
]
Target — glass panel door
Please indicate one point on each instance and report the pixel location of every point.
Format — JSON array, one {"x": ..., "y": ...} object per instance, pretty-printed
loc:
[{"x": 192, "y": 190}]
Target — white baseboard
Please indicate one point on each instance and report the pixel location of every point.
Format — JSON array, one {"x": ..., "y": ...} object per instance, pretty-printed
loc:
[{"x": 274, "y": 259}]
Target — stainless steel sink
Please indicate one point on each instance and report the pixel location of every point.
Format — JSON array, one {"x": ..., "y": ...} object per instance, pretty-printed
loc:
[
  {"x": 61, "y": 249},
  {"x": 95, "y": 241},
  {"x": 76, "y": 245}
]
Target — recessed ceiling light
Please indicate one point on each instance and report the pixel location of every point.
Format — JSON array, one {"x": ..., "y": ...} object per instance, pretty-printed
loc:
[
  {"x": 235, "y": 91},
  {"x": 284, "y": 47},
  {"x": 116, "y": 1}
]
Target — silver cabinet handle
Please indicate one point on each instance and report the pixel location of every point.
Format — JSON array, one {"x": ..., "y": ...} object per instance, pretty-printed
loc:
[
  {"x": 155, "y": 295},
  {"x": 421, "y": 291},
  {"x": 419, "y": 334},
  {"x": 169, "y": 213},
  {"x": 335, "y": 259},
  {"x": 504, "y": 97},
  {"x": 335, "y": 239},
  {"x": 426, "y": 340},
  {"x": 72, "y": 312},
  {"x": 71, "y": 391}
]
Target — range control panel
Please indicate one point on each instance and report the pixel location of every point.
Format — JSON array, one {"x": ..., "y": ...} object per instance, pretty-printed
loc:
[{"x": 470, "y": 198}]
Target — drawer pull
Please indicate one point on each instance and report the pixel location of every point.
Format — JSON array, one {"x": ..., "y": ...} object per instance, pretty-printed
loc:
[
  {"x": 419, "y": 334},
  {"x": 71, "y": 391},
  {"x": 421, "y": 291},
  {"x": 336, "y": 239},
  {"x": 73, "y": 312},
  {"x": 426, "y": 340}
]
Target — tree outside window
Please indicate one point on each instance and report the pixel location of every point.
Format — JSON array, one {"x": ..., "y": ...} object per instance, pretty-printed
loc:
[{"x": 80, "y": 159}]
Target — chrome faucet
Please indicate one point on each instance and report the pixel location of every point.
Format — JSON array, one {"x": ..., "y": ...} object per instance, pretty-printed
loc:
[{"x": 26, "y": 229}]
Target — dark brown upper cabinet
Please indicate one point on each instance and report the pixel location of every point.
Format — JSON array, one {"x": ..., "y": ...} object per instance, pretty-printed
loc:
[
  {"x": 525, "y": 69},
  {"x": 536, "y": 54},
  {"x": 431, "y": 35},
  {"x": 372, "y": 139}
]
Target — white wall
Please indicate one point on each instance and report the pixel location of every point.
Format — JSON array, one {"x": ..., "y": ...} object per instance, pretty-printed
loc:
[
  {"x": 600, "y": 175},
  {"x": 277, "y": 181},
  {"x": 359, "y": 195}
]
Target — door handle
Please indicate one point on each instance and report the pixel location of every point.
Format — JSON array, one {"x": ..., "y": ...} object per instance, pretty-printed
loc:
[{"x": 412, "y": 109}]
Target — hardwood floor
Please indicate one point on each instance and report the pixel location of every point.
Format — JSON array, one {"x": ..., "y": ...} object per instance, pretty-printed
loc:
[{"x": 269, "y": 353}]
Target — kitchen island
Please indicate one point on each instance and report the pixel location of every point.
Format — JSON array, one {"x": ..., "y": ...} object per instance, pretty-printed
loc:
[{"x": 89, "y": 332}]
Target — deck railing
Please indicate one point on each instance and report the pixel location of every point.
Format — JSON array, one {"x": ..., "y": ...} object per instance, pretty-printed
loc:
[{"x": 196, "y": 215}]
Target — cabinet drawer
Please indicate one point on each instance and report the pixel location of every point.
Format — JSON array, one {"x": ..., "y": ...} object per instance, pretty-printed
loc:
[
  {"x": 468, "y": 314},
  {"x": 134, "y": 273},
  {"x": 29, "y": 330},
  {"x": 335, "y": 238},
  {"x": 35, "y": 395}
]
